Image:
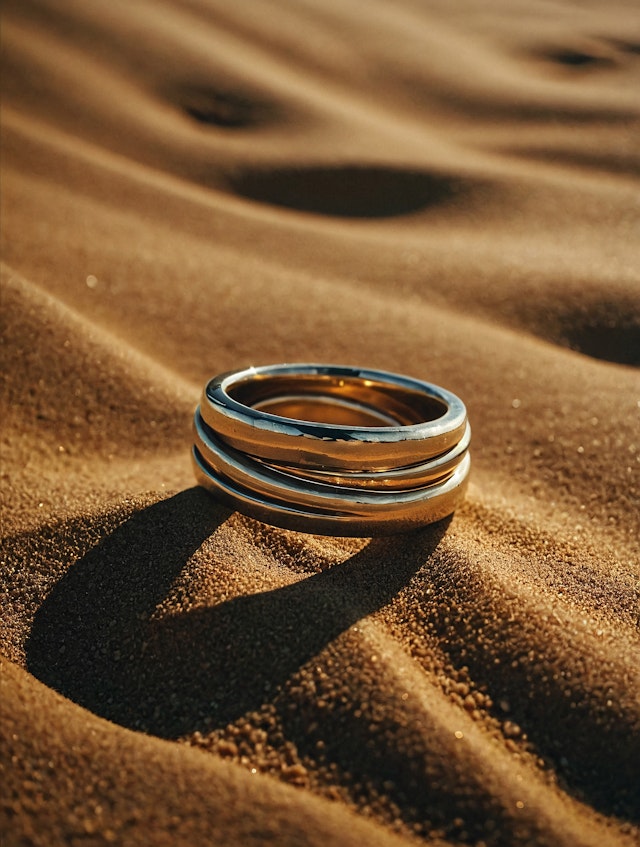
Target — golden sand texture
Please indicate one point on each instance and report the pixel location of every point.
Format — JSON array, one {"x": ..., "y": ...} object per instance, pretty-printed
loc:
[{"x": 446, "y": 190}]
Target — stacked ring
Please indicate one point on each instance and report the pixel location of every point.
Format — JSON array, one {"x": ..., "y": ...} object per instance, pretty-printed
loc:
[{"x": 332, "y": 450}]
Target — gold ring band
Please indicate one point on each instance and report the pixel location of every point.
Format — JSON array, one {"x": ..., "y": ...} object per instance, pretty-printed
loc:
[{"x": 332, "y": 449}]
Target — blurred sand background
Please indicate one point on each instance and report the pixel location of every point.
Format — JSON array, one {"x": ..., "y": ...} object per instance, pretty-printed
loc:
[{"x": 447, "y": 190}]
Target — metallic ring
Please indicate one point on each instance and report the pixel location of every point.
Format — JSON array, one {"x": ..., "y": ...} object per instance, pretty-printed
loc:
[
  {"x": 384, "y": 420},
  {"x": 332, "y": 450}
]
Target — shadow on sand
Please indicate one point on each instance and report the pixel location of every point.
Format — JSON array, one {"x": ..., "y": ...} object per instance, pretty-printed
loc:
[{"x": 94, "y": 641}]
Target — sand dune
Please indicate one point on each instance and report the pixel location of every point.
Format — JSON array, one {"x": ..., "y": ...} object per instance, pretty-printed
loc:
[{"x": 443, "y": 190}]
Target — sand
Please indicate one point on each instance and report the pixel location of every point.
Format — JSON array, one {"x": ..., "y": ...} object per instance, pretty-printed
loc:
[{"x": 446, "y": 190}]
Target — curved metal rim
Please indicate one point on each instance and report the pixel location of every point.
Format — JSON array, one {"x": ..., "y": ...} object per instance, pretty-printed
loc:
[
  {"x": 349, "y": 516},
  {"x": 277, "y": 438},
  {"x": 397, "y": 483},
  {"x": 217, "y": 391}
]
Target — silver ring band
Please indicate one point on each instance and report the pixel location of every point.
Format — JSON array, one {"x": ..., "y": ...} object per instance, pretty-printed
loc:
[
  {"x": 246, "y": 408},
  {"x": 331, "y": 449}
]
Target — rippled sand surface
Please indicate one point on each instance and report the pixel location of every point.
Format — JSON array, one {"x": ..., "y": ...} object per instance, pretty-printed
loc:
[{"x": 447, "y": 190}]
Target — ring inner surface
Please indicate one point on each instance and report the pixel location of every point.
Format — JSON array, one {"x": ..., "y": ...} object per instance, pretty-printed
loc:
[
  {"x": 339, "y": 401},
  {"x": 330, "y": 410}
]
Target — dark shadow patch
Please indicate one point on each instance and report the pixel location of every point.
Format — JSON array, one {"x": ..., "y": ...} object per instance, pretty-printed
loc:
[
  {"x": 348, "y": 191},
  {"x": 96, "y": 638},
  {"x": 607, "y": 335},
  {"x": 609, "y": 343},
  {"x": 576, "y": 58},
  {"x": 601, "y": 327},
  {"x": 582, "y": 54},
  {"x": 227, "y": 109}
]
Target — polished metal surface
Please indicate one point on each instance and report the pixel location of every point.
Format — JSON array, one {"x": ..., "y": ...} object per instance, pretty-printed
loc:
[
  {"x": 428, "y": 420},
  {"x": 332, "y": 449}
]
